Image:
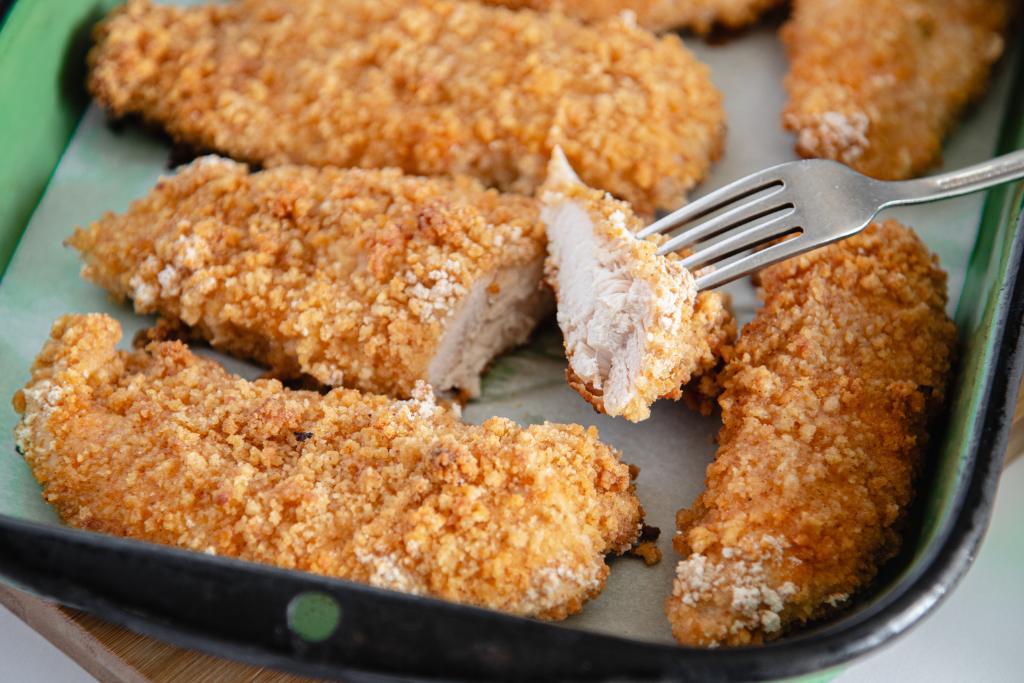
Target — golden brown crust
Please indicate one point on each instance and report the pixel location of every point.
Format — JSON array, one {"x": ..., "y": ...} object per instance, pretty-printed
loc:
[
  {"x": 878, "y": 85},
  {"x": 658, "y": 15},
  {"x": 429, "y": 86},
  {"x": 827, "y": 399},
  {"x": 349, "y": 276},
  {"x": 164, "y": 446}
]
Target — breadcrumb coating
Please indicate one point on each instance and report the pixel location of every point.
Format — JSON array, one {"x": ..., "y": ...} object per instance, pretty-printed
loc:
[
  {"x": 429, "y": 86},
  {"x": 877, "y": 85},
  {"x": 828, "y": 397},
  {"x": 354, "y": 277},
  {"x": 658, "y": 15},
  {"x": 164, "y": 446},
  {"x": 635, "y": 329}
]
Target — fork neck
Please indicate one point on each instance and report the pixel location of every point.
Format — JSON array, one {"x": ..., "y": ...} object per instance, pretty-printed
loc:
[{"x": 1002, "y": 169}]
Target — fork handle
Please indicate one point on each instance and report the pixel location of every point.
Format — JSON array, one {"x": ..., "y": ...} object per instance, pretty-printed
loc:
[{"x": 997, "y": 171}]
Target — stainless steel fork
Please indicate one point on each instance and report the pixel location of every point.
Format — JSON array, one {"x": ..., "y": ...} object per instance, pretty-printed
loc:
[{"x": 811, "y": 203}]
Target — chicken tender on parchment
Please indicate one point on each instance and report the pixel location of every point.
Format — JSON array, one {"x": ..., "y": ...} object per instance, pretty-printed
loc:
[
  {"x": 634, "y": 327},
  {"x": 429, "y": 86},
  {"x": 878, "y": 85},
  {"x": 828, "y": 396},
  {"x": 164, "y": 446},
  {"x": 658, "y": 15},
  {"x": 360, "y": 278}
]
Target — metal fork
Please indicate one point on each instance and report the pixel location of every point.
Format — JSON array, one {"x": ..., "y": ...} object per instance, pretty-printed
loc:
[{"x": 811, "y": 203}]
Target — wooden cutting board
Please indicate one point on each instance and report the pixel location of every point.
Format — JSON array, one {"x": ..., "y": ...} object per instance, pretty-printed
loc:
[{"x": 115, "y": 655}]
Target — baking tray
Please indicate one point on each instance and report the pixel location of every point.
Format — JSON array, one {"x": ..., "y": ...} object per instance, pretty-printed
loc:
[{"x": 332, "y": 628}]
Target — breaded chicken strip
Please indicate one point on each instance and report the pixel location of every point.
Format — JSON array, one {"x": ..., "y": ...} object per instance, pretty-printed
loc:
[
  {"x": 634, "y": 327},
  {"x": 164, "y": 446},
  {"x": 827, "y": 401},
  {"x": 878, "y": 85},
  {"x": 429, "y": 86},
  {"x": 363, "y": 278},
  {"x": 658, "y": 15}
]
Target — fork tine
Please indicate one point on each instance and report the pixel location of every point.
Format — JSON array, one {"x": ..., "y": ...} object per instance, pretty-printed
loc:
[
  {"x": 734, "y": 218},
  {"x": 750, "y": 263},
  {"x": 714, "y": 201},
  {"x": 747, "y": 237}
]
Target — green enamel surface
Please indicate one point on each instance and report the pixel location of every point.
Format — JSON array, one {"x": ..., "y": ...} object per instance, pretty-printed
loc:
[
  {"x": 314, "y": 617},
  {"x": 976, "y": 314},
  {"x": 817, "y": 677},
  {"x": 41, "y": 76}
]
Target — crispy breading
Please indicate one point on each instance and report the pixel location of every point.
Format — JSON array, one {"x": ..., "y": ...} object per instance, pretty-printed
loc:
[
  {"x": 878, "y": 85},
  {"x": 164, "y": 446},
  {"x": 658, "y": 15},
  {"x": 360, "y": 278},
  {"x": 828, "y": 396},
  {"x": 429, "y": 86},
  {"x": 635, "y": 329}
]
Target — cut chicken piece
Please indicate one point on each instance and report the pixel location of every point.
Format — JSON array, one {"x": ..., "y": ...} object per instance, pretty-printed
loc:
[
  {"x": 659, "y": 15},
  {"x": 634, "y": 327},
  {"x": 368, "y": 279},
  {"x": 164, "y": 446},
  {"x": 829, "y": 395},
  {"x": 877, "y": 84},
  {"x": 433, "y": 87}
]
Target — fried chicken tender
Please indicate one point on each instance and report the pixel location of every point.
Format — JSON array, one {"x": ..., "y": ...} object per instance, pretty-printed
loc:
[
  {"x": 827, "y": 401},
  {"x": 164, "y": 446},
  {"x": 361, "y": 278},
  {"x": 429, "y": 86},
  {"x": 878, "y": 85},
  {"x": 635, "y": 329},
  {"x": 658, "y": 15}
]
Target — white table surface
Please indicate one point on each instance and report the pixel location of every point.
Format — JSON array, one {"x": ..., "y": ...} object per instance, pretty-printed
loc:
[{"x": 976, "y": 635}]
